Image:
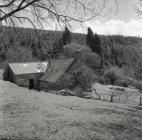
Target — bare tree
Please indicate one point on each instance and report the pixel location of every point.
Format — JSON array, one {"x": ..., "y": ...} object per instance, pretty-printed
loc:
[
  {"x": 138, "y": 7},
  {"x": 39, "y": 11}
]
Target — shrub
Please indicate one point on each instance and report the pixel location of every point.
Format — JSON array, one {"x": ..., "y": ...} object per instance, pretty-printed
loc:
[
  {"x": 78, "y": 91},
  {"x": 102, "y": 80},
  {"x": 69, "y": 49},
  {"x": 137, "y": 84},
  {"x": 84, "y": 77},
  {"x": 124, "y": 82},
  {"x": 66, "y": 82},
  {"x": 92, "y": 60},
  {"x": 79, "y": 80},
  {"x": 112, "y": 74}
]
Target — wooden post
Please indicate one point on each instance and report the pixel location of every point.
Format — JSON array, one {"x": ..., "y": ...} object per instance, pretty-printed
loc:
[
  {"x": 38, "y": 85},
  {"x": 134, "y": 100},
  {"x": 140, "y": 100},
  {"x": 119, "y": 97},
  {"x": 111, "y": 97},
  {"x": 99, "y": 97},
  {"x": 49, "y": 58}
]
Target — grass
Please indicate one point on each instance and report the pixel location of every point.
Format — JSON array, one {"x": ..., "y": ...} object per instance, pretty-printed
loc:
[{"x": 27, "y": 115}]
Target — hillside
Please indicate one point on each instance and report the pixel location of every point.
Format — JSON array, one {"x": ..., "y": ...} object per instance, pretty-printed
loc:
[
  {"x": 27, "y": 114},
  {"x": 27, "y": 34},
  {"x": 24, "y": 45}
]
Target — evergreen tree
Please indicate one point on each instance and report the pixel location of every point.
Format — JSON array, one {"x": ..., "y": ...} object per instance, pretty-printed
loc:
[
  {"x": 97, "y": 45},
  {"x": 89, "y": 38},
  {"x": 93, "y": 41},
  {"x": 66, "y": 36}
]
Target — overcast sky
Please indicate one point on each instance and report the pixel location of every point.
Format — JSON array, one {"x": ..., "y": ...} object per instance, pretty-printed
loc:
[{"x": 123, "y": 22}]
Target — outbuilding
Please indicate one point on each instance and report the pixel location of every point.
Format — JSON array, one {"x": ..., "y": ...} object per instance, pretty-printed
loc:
[
  {"x": 39, "y": 75},
  {"x": 57, "y": 69},
  {"x": 24, "y": 74}
]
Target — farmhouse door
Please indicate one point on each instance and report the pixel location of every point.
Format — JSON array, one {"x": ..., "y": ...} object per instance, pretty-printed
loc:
[{"x": 31, "y": 83}]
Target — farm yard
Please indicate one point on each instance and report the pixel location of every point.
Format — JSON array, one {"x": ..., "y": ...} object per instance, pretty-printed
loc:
[{"x": 28, "y": 114}]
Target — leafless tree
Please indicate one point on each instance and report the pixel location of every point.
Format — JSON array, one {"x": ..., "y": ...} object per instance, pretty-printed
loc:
[
  {"x": 39, "y": 11},
  {"x": 138, "y": 7}
]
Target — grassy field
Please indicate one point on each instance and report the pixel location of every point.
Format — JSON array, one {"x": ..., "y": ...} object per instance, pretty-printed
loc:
[
  {"x": 130, "y": 96},
  {"x": 27, "y": 114}
]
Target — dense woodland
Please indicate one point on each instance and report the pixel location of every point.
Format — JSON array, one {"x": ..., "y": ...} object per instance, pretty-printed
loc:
[{"x": 110, "y": 57}]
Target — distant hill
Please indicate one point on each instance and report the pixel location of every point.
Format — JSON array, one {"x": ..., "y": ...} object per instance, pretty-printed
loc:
[{"x": 49, "y": 35}]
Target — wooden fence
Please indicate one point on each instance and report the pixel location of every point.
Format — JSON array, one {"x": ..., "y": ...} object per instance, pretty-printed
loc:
[{"x": 122, "y": 97}]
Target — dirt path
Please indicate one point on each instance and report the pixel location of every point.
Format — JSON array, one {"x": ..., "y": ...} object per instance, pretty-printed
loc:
[{"x": 28, "y": 114}]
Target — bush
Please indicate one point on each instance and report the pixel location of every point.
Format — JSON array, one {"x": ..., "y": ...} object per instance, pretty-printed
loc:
[
  {"x": 84, "y": 77},
  {"x": 137, "y": 84},
  {"x": 124, "y": 82},
  {"x": 79, "y": 80},
  {"x": 92, "y": 60},
  {"x": 66, "y": 82},
  {"x": 102, "y": 80},
  {"x": 69, "y": 49},
  {"x": 112, "y": 74}
]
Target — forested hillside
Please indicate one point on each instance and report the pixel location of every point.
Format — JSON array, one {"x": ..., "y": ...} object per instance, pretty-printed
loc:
[{"x": 23, "y": 44}]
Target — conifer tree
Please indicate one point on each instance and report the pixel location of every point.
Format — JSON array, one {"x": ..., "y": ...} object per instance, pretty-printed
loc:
[
  {"x": 89, "y": 38},
  {"x": 66, "y": 36},
  {"x": 97, "y": 45},
  {"x": 93, "y": 41}
]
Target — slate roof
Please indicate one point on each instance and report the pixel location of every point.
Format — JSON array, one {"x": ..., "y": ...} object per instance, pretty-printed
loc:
[
  {"x": 56, "y": 69},
  {"x": 28, "y": 68}
]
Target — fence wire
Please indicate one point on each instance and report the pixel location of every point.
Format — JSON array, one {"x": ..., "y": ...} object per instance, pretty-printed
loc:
[{"x": 130, "y": 98}]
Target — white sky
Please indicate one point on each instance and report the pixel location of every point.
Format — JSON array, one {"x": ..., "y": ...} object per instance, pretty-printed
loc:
[{"x": 125, "y": 22}]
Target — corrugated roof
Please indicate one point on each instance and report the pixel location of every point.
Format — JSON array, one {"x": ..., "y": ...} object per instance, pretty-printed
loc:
[
  {"x": 26, "y": 68},
  {"x": 56, "y": 69}
]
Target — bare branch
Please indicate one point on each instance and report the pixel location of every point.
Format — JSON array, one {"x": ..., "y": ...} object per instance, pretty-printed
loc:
[
  {"x": 44, "y": 10},
  {"x": 19, "y": 8},
  {"x": 7, "y": 5}
]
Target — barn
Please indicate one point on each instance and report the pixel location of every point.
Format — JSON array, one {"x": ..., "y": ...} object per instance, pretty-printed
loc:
[
  {"x": 24, "y": 74},
  {"x": 57, "y": 69},
  {"x": 39, "y": 75}
]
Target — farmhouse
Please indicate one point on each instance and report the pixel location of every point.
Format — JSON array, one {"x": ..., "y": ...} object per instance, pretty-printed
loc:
[{"x": 38, "y": 75}]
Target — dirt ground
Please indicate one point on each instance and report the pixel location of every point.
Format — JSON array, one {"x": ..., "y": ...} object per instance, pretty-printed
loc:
[{"x": 31, "y": 115}]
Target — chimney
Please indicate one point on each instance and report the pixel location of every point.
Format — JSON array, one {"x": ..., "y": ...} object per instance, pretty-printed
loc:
[{"x": 77, "y": 53}]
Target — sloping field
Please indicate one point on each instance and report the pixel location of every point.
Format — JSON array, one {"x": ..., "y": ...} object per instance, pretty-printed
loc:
[{"x": 28, "y": 114}]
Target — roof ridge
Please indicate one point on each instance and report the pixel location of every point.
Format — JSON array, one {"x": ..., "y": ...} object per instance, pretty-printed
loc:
[{"x": 28, "y": 62}]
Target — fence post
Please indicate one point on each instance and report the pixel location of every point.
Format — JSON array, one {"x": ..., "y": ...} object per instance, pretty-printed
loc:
[
  {"x": 111, "y": 97},
  {"x": 99, "y": 97},
  {"x": 119, "y": 97},
  {"x": 134, "y": 100},
  {"x": 140, "y": 100}
]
